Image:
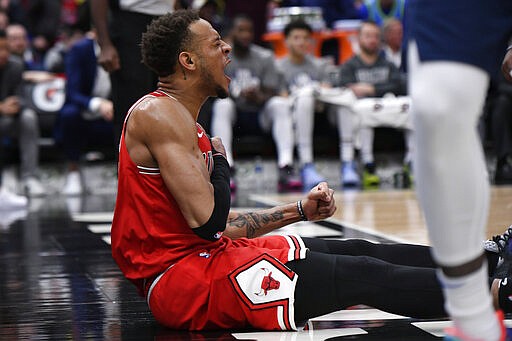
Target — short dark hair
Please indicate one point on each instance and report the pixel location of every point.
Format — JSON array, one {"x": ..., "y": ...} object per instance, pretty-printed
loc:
[
  {"x": 298, "y": 24},
  {"x": 165, "y": 38},
  {"x": 367, "y": 22}
]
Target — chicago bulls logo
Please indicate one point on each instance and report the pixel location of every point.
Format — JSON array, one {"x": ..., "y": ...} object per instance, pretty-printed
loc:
[
  {"x": 268, "y": 283},
  {"x": 264, "y": 283}
]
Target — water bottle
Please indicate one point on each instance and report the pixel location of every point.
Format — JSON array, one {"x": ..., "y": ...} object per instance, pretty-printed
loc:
[{"x": 259, "y": 181}]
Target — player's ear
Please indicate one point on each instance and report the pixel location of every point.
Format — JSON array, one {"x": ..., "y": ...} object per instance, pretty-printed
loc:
[{"x": 187, "y": 60}]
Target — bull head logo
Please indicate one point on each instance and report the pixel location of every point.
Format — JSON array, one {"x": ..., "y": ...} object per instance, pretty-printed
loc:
[{"x": 267, "y": 283}]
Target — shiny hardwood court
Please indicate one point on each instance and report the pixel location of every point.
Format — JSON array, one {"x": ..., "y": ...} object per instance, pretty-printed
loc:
[
  {"x": 395, "y": 214},
  {"x": 59, "y": 282}
]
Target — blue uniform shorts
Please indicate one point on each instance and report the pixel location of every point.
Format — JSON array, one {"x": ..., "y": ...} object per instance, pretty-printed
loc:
[{"x": 474, "y": 32}]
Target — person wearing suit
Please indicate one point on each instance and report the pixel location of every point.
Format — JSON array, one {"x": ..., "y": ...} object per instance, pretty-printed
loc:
[{"x": 87, "y": 111}]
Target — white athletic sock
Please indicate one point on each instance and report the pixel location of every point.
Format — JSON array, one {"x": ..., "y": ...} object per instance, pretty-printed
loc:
[
  {"x": 345, "y": 122},
  {"x": 409, "y": 146},
  {"x": 469, "y": 303},
  {"x": 346, "y": 151},
  {"x": 367, "y": 144},
  {"x": 303, "y": 114},
  {"x": 223, "y": 117},
  {"x": 278, "y": 110}
]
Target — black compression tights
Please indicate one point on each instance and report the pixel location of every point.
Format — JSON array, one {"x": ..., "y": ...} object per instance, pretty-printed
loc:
[{"x": 397, "y": 278}]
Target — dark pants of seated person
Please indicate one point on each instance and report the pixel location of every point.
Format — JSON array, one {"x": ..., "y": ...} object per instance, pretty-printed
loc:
[
  {"x": 502, "y": 125},
  {"x": 74, "y": 134},
  {"x": 398, "y": 278}
]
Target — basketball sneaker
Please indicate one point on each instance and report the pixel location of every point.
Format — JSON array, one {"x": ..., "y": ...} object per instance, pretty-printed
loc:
[
  {"x": 288, "y": 180},
  {"x": 73, "y": 185},
  {"x": 408, "y": 176},
  {"x": 370, "y": 179},
  {"x": 232, "y": 180},
  {"x": 310, "y": 177},
  {"x": 349, "y": 176},
  {"x": 504, "y": 265},
  {"x": 11, "y": 201},
  {"x": 498, "y": 243},
  {"x": 453, "y": 334},
  {"x": 33, "y": 187}
]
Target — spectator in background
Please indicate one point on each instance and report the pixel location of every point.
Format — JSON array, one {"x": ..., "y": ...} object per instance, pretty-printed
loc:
[
  {"x": 4, "y": 19},
  {"x": 369, "y": 74},
  {"x": 17, "y": 121},
  {"x": 42, "y": 19},
  {"x": 257, "y": 11},
  {"x": 87, "y": 111},
  {"x": 54, "y": 58},
  {"x": 380, "y": 10},
  {"x": 20, "y": 47},
  {"x": 392, "y": 33},
  {"x": 501, "y": 121},
  {"x": 119, "y": 39},
  {"x": 301, "y": 73},
  {"x": 209, "y": 10},
  {"x": 331, "y": 10},
  {"x": 76, "y": 20},
  {"x": 253, "y": 101}
]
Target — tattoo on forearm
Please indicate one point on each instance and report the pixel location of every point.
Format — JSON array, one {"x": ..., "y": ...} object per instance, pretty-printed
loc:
[{"x": 254, "y": 221}]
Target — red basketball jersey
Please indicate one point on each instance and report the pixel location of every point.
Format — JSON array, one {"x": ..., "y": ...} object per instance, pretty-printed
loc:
[{"x": 149, "y": 233}]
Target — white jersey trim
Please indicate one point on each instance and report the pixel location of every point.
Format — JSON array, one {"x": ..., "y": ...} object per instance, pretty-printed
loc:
[
  {"x": 297, "y": 247},
  {"x": 148, "y": 170},
  {"x": 154, "y": 283}
]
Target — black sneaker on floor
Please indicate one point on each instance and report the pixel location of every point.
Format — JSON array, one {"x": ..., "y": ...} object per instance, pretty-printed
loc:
[
  {"x": 503, "y": 174},
  {"x": 498, "y": 243},
  {"x": 232, "y": 179}
]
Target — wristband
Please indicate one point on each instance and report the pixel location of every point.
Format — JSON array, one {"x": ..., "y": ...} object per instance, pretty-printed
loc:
[
  {"x": 301, "y": 211},
  {"x": 509, "y": 48}
]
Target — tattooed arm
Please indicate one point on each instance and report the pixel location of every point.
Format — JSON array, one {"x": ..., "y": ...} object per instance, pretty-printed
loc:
[
  {"x": 318, "y": 204},
  {"x": 257, "y": 223}
]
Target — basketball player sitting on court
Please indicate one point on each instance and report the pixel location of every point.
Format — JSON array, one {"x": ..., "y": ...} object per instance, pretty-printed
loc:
[{"x": 200, "y": 265}]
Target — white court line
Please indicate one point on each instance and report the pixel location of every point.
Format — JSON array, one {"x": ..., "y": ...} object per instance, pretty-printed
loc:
[
  {"x": 359, "y": 315},
  {"x": 303, "y": 335},
  {"x": 100, "y": 228},
  {"x": 93, "y": 217},
  {"x": 369, "y": 231},
  {"x": 435, "y": 328},
  {"x": 306, "y": 229}
]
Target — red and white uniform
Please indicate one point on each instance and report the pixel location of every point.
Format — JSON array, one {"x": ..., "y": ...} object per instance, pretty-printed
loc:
[{"x": 189, "y": 282}]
